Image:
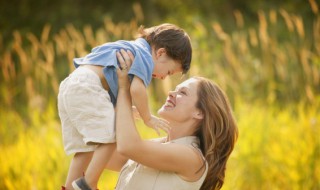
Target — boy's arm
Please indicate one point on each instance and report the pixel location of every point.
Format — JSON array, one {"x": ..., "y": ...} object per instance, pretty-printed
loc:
[{"x": 139, "y": 95}]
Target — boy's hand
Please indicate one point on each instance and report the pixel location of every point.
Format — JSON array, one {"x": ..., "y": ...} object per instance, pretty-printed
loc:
[{"x": 157, "y": 124}]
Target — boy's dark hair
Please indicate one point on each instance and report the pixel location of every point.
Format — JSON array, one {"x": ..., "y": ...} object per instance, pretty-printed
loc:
[{"x": 174, "y": 39}]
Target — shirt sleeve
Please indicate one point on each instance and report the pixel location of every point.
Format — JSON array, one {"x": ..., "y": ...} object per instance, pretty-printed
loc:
[
  {"x": 102, "y": 56},
  {"x": 142, "y": 68}
]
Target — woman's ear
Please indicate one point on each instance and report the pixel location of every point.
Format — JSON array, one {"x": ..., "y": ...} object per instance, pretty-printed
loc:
[{"x": 198, "y": 115}]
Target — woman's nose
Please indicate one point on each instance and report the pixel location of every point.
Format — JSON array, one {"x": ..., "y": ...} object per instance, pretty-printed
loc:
[{"x": 172, "y": 93}]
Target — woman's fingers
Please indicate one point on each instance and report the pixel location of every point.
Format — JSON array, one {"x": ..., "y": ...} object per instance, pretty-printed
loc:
[
  {"x": 125, "y": 59},
  {"x": 122, "y": 70},
  {"x": 130, "y": 55},
  {"x": 120, "y": 58}
]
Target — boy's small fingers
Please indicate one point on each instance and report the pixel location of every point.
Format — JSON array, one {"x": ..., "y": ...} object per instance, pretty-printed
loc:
[
  {"x": 165, "y": 129},
  {"x": 166, "y": 125},
  {"x": 157, "y": 130},
  {"x": 165, "y": 121}
]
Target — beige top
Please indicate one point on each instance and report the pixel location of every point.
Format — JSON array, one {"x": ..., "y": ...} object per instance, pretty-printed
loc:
[{"x": 134, "y": 176}]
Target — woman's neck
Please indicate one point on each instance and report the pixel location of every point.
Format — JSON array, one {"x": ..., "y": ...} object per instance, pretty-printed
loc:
[{"x": 179, "y": 131}]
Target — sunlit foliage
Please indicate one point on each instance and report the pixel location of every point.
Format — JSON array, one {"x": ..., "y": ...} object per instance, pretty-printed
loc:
[{"x": 270, "y": 71}]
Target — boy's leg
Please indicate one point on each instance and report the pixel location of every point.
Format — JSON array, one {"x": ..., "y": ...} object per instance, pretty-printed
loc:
[
  {"x": 99, "y": 160},
  {"x": 78, "y": 166}
]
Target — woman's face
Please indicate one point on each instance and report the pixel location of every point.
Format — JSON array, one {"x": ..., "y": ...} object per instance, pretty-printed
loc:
[{"x": 180, "y": 105}]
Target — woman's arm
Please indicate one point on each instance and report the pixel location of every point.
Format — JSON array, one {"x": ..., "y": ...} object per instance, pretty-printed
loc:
[
  {"x": 167, "y": 157},
  {"x": 116, "y": 161}
]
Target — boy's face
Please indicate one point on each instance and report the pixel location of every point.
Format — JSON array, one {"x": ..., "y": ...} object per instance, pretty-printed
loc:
[{"x": 164, "y": 65}]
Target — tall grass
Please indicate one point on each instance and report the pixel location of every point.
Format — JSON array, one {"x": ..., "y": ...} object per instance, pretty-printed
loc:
[
  {"x": 277, "y": 61},
  {"x": 276, "y": 149},
  {"x": 270, "y": 71}
]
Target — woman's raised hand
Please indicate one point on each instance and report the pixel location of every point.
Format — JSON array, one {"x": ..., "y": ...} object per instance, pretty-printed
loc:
[{"x": 125, "y": 59}]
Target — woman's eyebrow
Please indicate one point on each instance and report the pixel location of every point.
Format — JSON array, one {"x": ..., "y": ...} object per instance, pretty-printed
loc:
[
  {"x": 184, "y": 88},
  {"x": 187, "y": 89}
]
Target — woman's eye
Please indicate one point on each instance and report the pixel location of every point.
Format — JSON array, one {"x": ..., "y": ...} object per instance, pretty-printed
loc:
[{"x": 183, "y": 92}]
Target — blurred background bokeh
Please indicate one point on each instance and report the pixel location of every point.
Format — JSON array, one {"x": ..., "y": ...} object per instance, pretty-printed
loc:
[{"x": 264, "y": 54}]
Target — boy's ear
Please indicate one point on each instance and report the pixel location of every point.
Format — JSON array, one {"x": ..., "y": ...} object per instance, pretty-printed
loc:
[{"x": 160, "y": 52}]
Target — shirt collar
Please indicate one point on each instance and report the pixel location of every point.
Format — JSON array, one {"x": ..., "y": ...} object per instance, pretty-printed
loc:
[
  {"x": 187, "y": 140},
  {"x": 144, "y": 43}
]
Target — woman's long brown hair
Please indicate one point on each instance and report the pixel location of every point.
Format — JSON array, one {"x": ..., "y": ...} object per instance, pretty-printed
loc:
[{"x": 218, "y": 131}]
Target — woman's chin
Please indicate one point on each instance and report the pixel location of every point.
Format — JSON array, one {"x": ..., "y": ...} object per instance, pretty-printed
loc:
[
  {"x": 166, "y": 113},
  {"x": 166, "y": 108},
  {"x": 163, "y": 111}
]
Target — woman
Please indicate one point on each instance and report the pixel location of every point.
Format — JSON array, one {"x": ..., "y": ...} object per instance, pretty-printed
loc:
[{"x": 200, "y": 140}]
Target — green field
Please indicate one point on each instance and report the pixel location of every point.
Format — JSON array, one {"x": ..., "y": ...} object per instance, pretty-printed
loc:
[{"x": 270, "y": 71}]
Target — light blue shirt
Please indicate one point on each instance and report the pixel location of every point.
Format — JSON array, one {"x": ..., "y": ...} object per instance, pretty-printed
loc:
[{"x": 105, "y": 55}]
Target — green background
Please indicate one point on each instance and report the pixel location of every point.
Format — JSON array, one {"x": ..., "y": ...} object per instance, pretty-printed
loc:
[{"x": 264, "y": 54}]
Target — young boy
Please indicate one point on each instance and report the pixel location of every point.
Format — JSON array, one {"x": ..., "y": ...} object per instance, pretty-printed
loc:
[{"x": 87, "y": 97}]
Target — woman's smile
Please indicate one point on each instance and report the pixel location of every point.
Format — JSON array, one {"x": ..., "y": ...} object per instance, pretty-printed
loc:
[{"x": 169, "y": 104}]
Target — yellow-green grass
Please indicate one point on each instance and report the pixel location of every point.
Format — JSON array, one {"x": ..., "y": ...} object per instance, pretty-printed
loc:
[{"x": 271, "y": 72}]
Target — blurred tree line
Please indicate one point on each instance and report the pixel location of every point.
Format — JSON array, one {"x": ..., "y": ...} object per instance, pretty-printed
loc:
[
  {"x": 264, "y": 54},
  {"x": 32, "y": 15}
]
